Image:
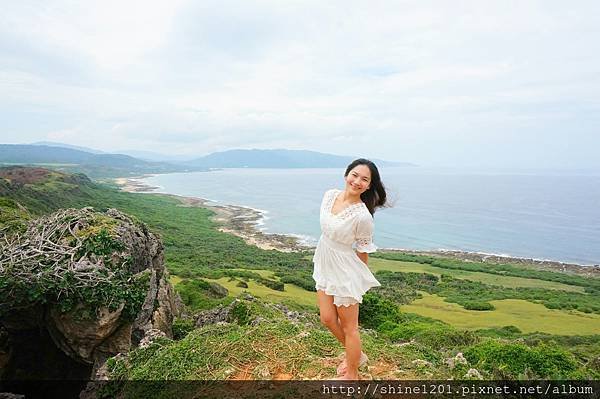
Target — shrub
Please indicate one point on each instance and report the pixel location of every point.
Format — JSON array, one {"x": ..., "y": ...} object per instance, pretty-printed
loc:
[
  {"x": 301, "y": 281},
  {"x": 197, "y": 294},
  {"x": 240, "y": 313},
  {"x": 376, "y": 310},
  {"x": 477, "y": 305},
  {"x": 510, "y": 360},
  {"x": 435, "y": 335},
  {"x": 181, "y": 328},
  {"x": 272, "y": 284}
]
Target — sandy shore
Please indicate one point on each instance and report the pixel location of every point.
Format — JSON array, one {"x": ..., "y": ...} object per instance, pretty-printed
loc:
[
  {"x": 241, "y": 221},
  {"x": 237, "y": 220},
  {"x": 134, "y": 185}
]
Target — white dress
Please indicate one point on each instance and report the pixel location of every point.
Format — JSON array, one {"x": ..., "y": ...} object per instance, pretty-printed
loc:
[{"x": 337, "y": 268}]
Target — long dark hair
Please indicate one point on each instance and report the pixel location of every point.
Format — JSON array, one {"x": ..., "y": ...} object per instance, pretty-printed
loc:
[{"x": 375, "y": 197}]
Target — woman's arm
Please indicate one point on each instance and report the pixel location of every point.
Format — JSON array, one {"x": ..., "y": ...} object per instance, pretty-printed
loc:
[{"x": 364, "y": 257}]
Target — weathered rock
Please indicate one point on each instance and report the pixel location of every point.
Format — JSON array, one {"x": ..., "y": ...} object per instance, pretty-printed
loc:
[
  {"x": 167, "y": 310},
  {"x": 118, "y": 342},
  {"x": 217, "y": 291},
  {"x": 292, "y": 315},
  {"x": 150, "y": 336},
  {"x": 91, "y": 336},
  {"x": 458, "y": 359},
  {"x": 142, "y": 322},
  {"x": 421, "y": 363},
  {"x": 473, "y": 373},
  {"x": 79, "y": 337},
  {"x": 214, "y": 316}
]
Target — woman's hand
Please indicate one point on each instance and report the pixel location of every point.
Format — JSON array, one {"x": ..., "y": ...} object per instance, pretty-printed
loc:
[{"x": 364, "y": 257}]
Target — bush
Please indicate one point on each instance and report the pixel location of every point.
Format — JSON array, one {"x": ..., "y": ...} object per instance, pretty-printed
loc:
[
  {"x": 511, "y": 360},
  {"x": 240, "y": 314},
  {"x": 272, "y": 284},
  {"x": 375, "y": 310},
  {"x": 500, "y": 332},
  {"x": 476, "y": 305},
  {"x": 181, "y": 328},
  {"x": 198, "y": 294},
  {"x": 440, "y": 336},
  {"x": 434, "y": 335},
  {"x": 301, "y": 281}
]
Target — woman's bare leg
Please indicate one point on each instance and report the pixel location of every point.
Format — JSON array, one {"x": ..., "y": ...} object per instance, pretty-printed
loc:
[
  {"x": 329, "y": 315},
  {"x": 349, "y": 320}
]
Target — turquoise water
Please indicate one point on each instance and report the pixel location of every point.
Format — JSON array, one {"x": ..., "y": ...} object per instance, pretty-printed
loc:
[{"x": 549, "y": 215}]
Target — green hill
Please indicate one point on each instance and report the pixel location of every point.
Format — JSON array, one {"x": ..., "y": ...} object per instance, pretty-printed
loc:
[{"x": 92, "y": 164}]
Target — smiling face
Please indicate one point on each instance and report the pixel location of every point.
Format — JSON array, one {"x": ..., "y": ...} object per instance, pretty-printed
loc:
[{"x": 359, "y": 179}]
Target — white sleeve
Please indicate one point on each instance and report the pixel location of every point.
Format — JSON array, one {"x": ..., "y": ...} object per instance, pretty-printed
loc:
[
  {"x": 364, "y": 235},
  {"x": 325, "y": 199}
]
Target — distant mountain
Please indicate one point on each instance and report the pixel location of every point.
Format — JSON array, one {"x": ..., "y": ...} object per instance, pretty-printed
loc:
[
  {"x": 93, "y": 165},
  {"x": 279, "y": 158},
  {"x": 143, "y": 155},
  {"x": 155, "y": 156},
  {"x": 72, "y": 159},
  {"x": 73, "y": 147}
]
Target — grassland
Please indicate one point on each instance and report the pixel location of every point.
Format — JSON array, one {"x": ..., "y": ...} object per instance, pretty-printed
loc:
[
  {"x": 291, "y": 293},
  {"x": 491, "y": 279},
  {"x": 526, "y": 316}
]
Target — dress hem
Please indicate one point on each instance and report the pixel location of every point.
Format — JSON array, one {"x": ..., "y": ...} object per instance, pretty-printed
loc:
[{"x": 329, "y": 292}]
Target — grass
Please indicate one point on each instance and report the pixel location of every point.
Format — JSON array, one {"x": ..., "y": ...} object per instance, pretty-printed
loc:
[
  {"x": 525, "y": 315},
  {"x": 275, "y": 348},
  {"x": 175, "y": 280},
  {"x": 264, "y": 273},
  {"x": 291, "y": 292},
  {"x": 376, "y": 264}
]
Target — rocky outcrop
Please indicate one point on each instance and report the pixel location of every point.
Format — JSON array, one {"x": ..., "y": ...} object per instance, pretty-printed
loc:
[{"x": 88, "y": 250}]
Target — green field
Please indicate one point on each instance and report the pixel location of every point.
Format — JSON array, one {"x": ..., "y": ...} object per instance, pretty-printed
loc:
[
  {"x": 527, "y": 316},
  {"x": 491, "y": 279},
  {"x": 291, "y": 292}
]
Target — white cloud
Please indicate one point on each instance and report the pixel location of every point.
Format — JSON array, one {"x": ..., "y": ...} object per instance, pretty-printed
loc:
[
  {"x": 186, "y": 76},
  {"x": 112, "y": 34}
]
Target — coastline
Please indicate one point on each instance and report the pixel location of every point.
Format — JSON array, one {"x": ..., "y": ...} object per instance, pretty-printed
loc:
[
  {"x": 237, "y": 220},
  {"x": 242, "y": 221}
]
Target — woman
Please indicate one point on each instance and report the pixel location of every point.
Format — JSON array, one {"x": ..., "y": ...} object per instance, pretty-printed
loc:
[{"x": 342, "y": 276}]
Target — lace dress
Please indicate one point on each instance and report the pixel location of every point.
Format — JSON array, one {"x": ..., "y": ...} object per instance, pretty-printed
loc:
[{"x": 337, "y": 268}]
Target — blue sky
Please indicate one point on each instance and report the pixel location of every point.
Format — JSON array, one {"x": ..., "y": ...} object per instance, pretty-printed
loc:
[{"x": 461, "y": 83}]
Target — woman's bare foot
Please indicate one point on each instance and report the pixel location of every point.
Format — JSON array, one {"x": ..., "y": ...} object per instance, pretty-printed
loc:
[
  {"x": 341, "y": 369},
  {"x": 348, "y": 377}
]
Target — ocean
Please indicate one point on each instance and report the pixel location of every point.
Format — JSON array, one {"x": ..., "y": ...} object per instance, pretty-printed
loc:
[{"x": 550, "y": 215}]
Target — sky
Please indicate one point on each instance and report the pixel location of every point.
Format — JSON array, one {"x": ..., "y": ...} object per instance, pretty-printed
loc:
[{"x": 437, "y": 83}]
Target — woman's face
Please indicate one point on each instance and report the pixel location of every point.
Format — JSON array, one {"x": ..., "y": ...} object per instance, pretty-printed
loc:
[{"x": 359, "y": 179}]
